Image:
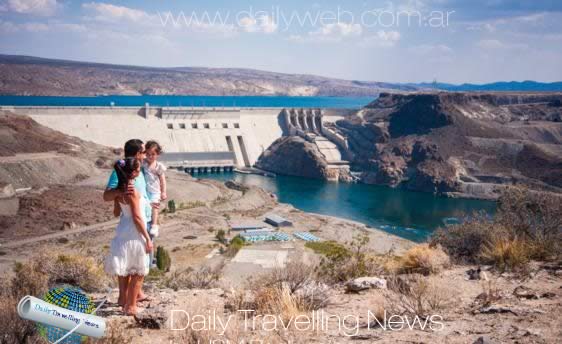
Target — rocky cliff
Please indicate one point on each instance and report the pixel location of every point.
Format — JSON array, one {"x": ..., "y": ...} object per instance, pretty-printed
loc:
[
  {"x": 294, "y": 156},
  {"x": 457, "y": 144}
]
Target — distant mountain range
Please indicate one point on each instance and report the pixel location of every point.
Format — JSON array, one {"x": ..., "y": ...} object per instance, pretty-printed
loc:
[
  {"x": 523, "y": 86},
  {"x": 28, "y": 75}
]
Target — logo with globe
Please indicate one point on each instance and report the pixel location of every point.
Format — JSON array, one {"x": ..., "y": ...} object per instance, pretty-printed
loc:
[{"x": 71, "y": 298}]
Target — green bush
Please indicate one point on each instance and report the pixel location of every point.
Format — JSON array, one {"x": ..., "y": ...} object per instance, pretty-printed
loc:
[
  {"x": 163, "y": 260},
  {"x": 221, "y": 236},
  {"x": 171, "y": 206},
  {"x": 341, "y": 263},
  {"x": 235, "y": 245}
]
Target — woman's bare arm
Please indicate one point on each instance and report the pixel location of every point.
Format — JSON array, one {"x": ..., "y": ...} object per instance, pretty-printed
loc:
[{"x": 116, "y": 208}]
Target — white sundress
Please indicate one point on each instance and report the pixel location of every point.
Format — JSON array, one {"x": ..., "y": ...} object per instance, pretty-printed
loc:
[{"x": 127, "y": 255}]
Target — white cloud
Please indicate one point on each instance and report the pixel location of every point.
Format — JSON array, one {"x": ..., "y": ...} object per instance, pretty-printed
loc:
[
  {"x": 431, "y": 49},
  {"x": 33, "y": 7},
  {"x": 382, "y": 39},
  {"x": 108, "y": 12},
  {"x": 494, "y": 44},
  {"x": 37, "y": 27},
  {"x": 8, "y": 27},
  {"x": 330, "y": 33},
  {"x": 263, "y": 24}
]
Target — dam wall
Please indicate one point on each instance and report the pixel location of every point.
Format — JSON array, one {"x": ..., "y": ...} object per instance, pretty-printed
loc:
[{"x": 246, "y": 132}]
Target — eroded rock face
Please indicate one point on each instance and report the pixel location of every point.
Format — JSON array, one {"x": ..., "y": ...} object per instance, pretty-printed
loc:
[
  {"x": 295, "y": 156},
  {"x": 453, "y": 144}
]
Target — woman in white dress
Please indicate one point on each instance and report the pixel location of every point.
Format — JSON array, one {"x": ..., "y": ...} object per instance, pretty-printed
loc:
[{"x": 128, "y": 257}]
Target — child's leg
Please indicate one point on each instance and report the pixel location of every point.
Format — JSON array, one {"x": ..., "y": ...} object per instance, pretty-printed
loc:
[{"x": 155, "y": 212}]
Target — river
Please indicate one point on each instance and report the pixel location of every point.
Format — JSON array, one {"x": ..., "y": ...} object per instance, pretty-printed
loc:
[{"x": 411, "y": 215}]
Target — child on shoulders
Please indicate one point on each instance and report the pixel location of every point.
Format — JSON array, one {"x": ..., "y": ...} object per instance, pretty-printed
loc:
[{"x": 155, "y": 181}]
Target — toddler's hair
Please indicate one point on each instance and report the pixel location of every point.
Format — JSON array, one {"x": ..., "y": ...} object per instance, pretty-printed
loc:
[
  {"x": 124, "y": 169},
  {"x": 153, "y": 144}
]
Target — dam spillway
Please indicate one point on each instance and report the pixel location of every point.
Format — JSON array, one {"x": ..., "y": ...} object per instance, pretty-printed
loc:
[{"x": 210, "y": 137}]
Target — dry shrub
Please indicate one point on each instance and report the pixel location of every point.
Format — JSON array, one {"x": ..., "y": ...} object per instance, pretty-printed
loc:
[
  {"x": 35, "y": 277},
  {"x": 13, "y": 329},
  {"x": 344, "y": 262},
  {"x": 422, "y": 296},
  {"x": 210, "y": 334},
  {"x": 202, "y": 278},
  {"x": 277, "y": 301},
  {"x": 377, "y": 305},
  {"x": 114, "y": 334},
  {"x": 422, "y": 259},
  {"x": 530, "y": 222},
  {"x": 535, "y": 217},
  {"x": 45, "y": 271},
  {"x": 294, "y": 275},
  {"x": 506, "y": 253},
  {"x": 298, "y": 279},
  {"x": 490, "y": 294},
  {"x": 464, "y": 241}
]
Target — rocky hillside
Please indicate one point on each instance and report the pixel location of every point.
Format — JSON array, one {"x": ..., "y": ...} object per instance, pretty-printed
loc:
[
  {"x": 457, "y": 144},
  {"x": 22, "y": 75},
  {"x": 32, "y": 155}
]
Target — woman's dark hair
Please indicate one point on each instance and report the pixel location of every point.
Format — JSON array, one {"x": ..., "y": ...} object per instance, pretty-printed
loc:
[
  {"x": 132, "y": 148},
  {"x": 124, "y": 169},
  {"x": 153, "y": 144}
]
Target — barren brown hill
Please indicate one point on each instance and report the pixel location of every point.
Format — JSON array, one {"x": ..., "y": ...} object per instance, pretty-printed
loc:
[
  {"x": 32, "y": 155},
  {"x": 23, "y": 75}
]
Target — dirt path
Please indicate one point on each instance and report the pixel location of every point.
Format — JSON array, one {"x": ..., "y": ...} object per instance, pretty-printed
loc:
[{"x": 93, "y": 228}]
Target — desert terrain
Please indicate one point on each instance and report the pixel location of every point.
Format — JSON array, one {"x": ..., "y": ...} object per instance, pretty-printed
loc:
[{"x": 59, "y": 231}]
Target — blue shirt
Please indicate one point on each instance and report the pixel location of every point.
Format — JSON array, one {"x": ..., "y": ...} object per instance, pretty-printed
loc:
[{"x": 140, "y": 186}]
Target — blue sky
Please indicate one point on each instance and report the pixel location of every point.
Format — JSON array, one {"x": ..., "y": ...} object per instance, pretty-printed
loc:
[{"x": 395, "y": 41}]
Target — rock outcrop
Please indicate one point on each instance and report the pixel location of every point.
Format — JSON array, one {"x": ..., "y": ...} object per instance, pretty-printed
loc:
[
  {"x": 459, "y": 144},
  {"x": 453, "y": 144},
  {"x": 294, "y": 156}
]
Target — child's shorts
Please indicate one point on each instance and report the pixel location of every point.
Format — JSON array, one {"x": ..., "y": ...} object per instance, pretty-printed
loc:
[{"x": 154, "y": 197}]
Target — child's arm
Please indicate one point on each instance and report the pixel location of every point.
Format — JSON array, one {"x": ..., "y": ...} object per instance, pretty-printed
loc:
[
  {"x": 116, "y": 208},
  {"x": 163, "y": 194}
]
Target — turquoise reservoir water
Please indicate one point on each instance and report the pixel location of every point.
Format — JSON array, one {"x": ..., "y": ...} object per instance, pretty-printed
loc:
[
  {"x": 213, "y": 101},
  {"x": 412, "y": 215}
]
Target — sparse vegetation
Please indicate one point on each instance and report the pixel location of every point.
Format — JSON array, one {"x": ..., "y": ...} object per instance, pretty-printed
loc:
[
  {"x": 344, "y": 262},
  {"x": 527, "y": 226},
  {"x": 506, "y": 253},
  {"x": 234, "y": 246},
  {"x": 221, "y": 236},
  {"x": 421, "y": 296},
  {"x": 37, "y": 276},
  {"x": 202, "y": 278},
  {"x": 163, "y": 259},
  {"x": 44, "y": 271},
  {"x": 422, "y": 259},
  {"x": 171, "y": 206}
]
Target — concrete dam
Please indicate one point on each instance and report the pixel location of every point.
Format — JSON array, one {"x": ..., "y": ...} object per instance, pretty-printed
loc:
[{"x": 197, "y": 139}]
